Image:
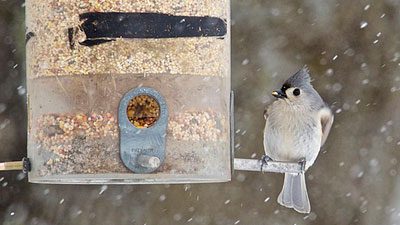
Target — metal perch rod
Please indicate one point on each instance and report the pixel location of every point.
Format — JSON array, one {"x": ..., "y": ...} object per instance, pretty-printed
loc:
[
  {"x": 271, "y": 166},
  {"x": 18, "y": 165},
  {"x": 239, "y": 164},
  {"x": 24, "y": 165}
]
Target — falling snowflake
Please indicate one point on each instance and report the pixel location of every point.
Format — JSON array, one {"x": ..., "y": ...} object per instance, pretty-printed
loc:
[{"x": 363, "y": 24}]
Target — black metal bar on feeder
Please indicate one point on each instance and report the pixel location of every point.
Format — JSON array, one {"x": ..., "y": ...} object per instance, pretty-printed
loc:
[
  {"x": 101, "y": 27},
  {"x": 149, "y": 25}
]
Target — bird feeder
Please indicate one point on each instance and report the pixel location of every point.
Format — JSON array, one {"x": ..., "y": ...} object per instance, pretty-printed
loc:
[{"x": 128, "y": 91}]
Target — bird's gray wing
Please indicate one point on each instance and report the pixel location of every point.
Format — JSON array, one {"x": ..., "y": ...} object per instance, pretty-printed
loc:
[
  {"x": 265, "y": 113},
  {"x": 326, "y": 118}
]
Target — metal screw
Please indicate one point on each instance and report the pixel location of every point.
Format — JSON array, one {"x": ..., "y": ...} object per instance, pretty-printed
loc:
[{"x": 149, "y": 161}]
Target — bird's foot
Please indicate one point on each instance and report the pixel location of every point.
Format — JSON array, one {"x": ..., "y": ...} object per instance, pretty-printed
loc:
[
  {"x": 302, "y": 163},
  {"x": 264, "y": 161}
]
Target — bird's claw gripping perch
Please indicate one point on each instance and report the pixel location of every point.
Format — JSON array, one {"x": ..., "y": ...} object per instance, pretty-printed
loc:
[
  {"x": 264, "y": 161},
  {"x": 302, "y": 163}
]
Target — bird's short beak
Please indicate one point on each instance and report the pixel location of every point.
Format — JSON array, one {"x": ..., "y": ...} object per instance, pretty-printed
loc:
[{"x": 279, "y": 94}]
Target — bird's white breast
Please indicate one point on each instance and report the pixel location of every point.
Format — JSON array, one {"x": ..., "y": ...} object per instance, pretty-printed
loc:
[{"x": 292, "y": 133}]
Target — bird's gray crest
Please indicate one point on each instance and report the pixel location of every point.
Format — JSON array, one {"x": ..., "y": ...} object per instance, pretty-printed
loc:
[{"x": 300, "y": 78}]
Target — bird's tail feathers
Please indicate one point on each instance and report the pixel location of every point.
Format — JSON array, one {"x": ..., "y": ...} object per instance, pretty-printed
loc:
[{"x": 294, "y": 193}]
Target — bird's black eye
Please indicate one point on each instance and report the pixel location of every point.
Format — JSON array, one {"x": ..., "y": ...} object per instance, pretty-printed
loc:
[{"x": 296, "y": 92}]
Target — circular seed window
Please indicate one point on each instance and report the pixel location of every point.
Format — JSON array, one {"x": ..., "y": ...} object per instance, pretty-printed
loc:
[{"x": 143, "y": 111}]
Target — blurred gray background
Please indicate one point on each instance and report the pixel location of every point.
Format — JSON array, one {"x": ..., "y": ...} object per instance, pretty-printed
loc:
[{"x": 352, "y": 49}]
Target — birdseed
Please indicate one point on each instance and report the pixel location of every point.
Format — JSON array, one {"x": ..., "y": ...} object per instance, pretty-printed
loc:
[
  {"x": 54, "y": 23},
  {"x": 195, "y": 126},
  {"x": 89, "y": 143}
]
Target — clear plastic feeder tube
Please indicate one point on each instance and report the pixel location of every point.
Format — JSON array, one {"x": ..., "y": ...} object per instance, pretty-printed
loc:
[{"x": 84, "y": 56}]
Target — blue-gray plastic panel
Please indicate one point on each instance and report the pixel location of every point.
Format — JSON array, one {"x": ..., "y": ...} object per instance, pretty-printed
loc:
[{"x": 147, "y": 141}]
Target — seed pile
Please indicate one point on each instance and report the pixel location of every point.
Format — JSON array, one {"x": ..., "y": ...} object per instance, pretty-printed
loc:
[
  {"x": 62, "y": 128},
  {"x": 143, "y": 111},
  {"x": 89, "y": 143},
  {"x": 195, "y": 126},
  {"x": 78, "y": 143}
]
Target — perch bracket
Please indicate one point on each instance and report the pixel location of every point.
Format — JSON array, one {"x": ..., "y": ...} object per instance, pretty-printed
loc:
[{"x": 26, "y": 165}]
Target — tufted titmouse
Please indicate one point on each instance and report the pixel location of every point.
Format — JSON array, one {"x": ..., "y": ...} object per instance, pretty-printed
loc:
[{"x": 297, "y": 125}]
